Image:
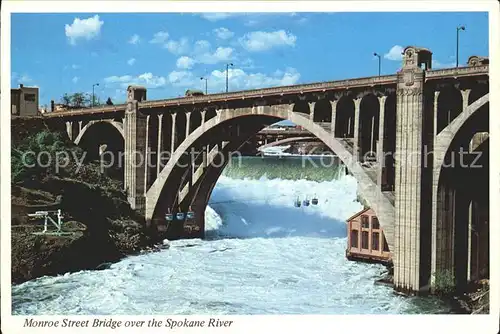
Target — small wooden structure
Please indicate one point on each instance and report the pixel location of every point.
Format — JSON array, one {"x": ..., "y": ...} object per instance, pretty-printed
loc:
[{"x": 365, "y": 238}]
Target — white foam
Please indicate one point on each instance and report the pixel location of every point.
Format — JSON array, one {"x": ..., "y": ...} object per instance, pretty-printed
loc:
[{"x": 278, "y": 259}]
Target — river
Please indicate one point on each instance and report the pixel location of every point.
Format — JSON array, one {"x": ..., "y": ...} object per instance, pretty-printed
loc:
[{"x": 261, "y": 255}]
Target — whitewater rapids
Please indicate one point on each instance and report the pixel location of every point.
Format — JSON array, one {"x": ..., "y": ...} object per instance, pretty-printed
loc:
[{"x": 261, "y": 255}]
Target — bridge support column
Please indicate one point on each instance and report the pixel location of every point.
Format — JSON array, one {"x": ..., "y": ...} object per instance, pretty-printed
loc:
[
  {"x": 465, "y": 98},
  {"x": 411, "y": 254},
  {"x": 355, "y": 148},
  {"x": 203, "y": 113},
  {"x": 334, "y": 114},
  {"x": 188, "y": 118},
  {"x": 172, "y": 142},
  {"x": 69, "y": 130},
  {"x": 311, "y": 110},
  {"x": 136, "y": 133},
  {"x": 380, "y": 142},
  {"x": 160, "y": 146}
]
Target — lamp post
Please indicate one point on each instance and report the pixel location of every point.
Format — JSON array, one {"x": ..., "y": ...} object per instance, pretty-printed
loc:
[
  {"x": 93, "y": 97},
  {"x": 227, "y": 76},
  {"x": 458, "y": 30},
  {"x": 206, "y": 84},
  {"x": 379, "y": 61}
]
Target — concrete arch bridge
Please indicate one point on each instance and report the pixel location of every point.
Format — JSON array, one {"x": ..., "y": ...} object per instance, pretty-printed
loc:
[{"x": 397, "y": 134}]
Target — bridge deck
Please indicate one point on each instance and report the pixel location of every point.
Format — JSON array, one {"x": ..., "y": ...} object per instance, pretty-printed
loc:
[{"x": 279, "y": 91}]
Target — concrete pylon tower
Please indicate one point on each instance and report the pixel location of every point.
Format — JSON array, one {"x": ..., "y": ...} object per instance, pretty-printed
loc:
[
  {"x": 136, "y": 133},
  {"x": 412, "y": 182}
]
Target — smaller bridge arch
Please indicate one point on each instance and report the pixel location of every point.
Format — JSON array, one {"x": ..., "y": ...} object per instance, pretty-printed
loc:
[
  {"x": 344, "y": 119},
  {"x": 323, "y": 111},
  {"x": 117, "y": 125},
  {"x": 449, "y": 106}
]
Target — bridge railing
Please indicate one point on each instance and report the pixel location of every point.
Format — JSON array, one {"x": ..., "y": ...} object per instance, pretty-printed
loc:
[
  {"x": 281, "y": 90},
  {"x": 457, "y": 71}
]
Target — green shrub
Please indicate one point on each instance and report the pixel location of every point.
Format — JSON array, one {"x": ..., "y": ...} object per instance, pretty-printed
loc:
[
  {"x": 444, "y": 282},
  {"x": 25, "y": 167}
]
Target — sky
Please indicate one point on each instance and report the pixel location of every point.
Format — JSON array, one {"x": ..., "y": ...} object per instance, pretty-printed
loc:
[{"x": 168, "y": 53}]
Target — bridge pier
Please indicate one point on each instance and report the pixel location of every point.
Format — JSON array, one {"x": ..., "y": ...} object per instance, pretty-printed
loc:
[
  {"x": 412, "y": 220},
  {"x": 136, "y": 134},
  {"x": 355, "y": 148},
  {"x": 334, "y": 116}
]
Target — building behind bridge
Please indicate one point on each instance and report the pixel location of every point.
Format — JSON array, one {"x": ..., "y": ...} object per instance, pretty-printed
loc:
[{"x": 24, "y": 101}]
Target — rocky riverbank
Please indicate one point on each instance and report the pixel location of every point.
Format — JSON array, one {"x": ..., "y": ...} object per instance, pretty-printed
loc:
[
  {"x": 102, "y": 229},
  {"x": 474, "y": 300},
  {"x": 101, "y": 226}
]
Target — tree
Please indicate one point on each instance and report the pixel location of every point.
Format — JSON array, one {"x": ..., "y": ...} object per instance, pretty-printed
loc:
[
  {"x": 66, "y": 99},
  {"x": 109, "y": 102},
  {"x": 79, "y": 100}
]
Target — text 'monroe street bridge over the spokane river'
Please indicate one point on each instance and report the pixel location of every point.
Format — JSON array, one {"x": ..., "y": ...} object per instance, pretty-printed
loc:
[{"x": 395, "y": 133}]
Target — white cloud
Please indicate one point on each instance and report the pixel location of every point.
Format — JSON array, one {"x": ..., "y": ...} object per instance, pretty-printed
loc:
[
  {"x": 238, "y": 79},
  {"x": 218, "y": 16},
  {"x": 134, "y": 39},
  {"x": 221, "y": 54},
  {"x": 260, "y": 40},
  {"x": 175, "y": 47},
  {"x": 185, "y": 62},
  {"x": 147, "y": 80},
  {"x": 201, "y": 46},
  {"x": 223, "y": 33},
  {"x": 131, "y": 61},
  {"x": 86, "y": 29},
  {"x": 178, "y": 47},
  {"x": 160, "y": 37},
  {"x": 181, "y": 78},
  {"x": 395, "y": 53},
  {"x": 24, "y": 79},
  {"x": 202, "y": 54},
  {"x": 75, "y": 79}
]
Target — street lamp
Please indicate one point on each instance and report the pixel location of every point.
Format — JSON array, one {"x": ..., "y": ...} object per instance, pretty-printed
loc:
[
  {"x": 227, "y": 76},
  {"x": 377, "y": 55},
  {"x": 458, "y": 30},
  {"x": 93, "y": 97},
  {"x": 206, "y": 84}
]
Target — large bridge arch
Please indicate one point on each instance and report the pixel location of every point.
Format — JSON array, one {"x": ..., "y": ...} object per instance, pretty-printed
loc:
[
  {"x": 447, "y": 135},
  {"x": 454, "y": 203},
  {"x": 268, "y": 115}
]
